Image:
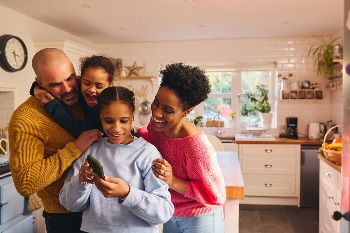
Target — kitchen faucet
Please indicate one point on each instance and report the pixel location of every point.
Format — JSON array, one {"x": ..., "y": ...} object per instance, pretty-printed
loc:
[{"x": 218, "y": 131}]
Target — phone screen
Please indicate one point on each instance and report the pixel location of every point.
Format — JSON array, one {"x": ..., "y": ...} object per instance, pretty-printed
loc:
[{"x": 96, "y": 166}]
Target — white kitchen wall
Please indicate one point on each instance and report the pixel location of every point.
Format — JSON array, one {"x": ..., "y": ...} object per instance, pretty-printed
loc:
[
  {"x": 291, "y": 55},
  {"x": 7, "y": 99},
  {"x": 30, "y": 31}
]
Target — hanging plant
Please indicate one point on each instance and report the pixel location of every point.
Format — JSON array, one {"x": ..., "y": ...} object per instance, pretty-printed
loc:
[{"x": 322, "y": 53}]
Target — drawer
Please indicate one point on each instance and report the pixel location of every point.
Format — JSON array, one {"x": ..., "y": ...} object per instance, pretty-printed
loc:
[
  {"x": 269, "y": 149},
  {"x": 255, "y": 185},
  {"x": 27, "y": 225},
  {"x": 330, "y": 175},
  {"x": 12, "y": 203},
  {"x": 268, "y": 164}
]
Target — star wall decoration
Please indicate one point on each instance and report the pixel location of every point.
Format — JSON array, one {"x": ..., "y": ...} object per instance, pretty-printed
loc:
[{"x": 134, "y": 69}]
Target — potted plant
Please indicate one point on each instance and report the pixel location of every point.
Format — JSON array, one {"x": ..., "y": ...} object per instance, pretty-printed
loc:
[
  {"x": 322, "y": 53},
  {"x": 232, "y": 119},
  {"x": 259, "y": 103},
  {"x": 198, "y": 121}
]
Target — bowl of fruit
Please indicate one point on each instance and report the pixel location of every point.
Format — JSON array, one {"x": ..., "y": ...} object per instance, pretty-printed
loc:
[{"x": 332, "y": 151}]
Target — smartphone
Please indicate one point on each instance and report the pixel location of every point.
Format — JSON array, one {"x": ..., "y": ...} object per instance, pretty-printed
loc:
[{"x": 96, "y": 166}]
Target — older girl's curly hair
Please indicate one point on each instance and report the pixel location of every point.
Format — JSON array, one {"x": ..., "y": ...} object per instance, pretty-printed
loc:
[
  {"x": 97, "y": 61},
  {"x": 190, "y": 84}
]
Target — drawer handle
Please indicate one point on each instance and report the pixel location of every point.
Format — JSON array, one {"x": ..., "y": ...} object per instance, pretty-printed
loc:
[
  {"x": 336, "y": 203},
  {"x": 329, "y": 174},
  {"x": 2, "y": 204},
  {"x": 330, "y": 197},
  {"x": 268, "y": 185},
  {"x": 268, "y": 165},
  {"x": 268, "y": 150}
]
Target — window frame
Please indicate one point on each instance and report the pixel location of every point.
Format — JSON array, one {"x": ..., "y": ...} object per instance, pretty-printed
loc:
[{"x": 236, "y": 94}]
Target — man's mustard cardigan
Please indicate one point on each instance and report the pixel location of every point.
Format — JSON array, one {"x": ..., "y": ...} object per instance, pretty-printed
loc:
[{"x": 41, "y": 152}]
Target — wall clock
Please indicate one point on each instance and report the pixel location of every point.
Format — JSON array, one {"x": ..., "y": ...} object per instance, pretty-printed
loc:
[{"x": 13, "y": 53}]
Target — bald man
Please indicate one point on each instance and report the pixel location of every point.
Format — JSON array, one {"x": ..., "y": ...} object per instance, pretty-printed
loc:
[{"x": 41, "y": 150}]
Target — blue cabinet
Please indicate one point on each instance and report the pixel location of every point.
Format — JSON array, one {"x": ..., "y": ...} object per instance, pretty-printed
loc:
[{"x": 14, "y": 217}]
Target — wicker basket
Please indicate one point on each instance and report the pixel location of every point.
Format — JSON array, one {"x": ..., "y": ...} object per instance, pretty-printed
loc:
[{"x": 334, "y": 156}]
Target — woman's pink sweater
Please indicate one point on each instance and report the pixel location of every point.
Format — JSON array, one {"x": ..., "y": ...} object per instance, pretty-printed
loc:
[{"x": 192, "y": 158}]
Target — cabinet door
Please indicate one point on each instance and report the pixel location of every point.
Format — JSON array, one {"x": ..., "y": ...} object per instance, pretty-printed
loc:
[
  {"x": 27, "y": 225},
  {"x": 327, "y": 207},
  {"x": 12, "y": 202}
]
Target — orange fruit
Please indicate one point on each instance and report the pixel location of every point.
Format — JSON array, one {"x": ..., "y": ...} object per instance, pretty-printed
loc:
[{"x": 337, "y": 140}]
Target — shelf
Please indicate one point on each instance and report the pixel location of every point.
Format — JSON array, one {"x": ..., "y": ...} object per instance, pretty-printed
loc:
[
  {"x": 302, "y": 94},
  {"x": 335, "y": 84},
  {"x": 339, "y": 60}
]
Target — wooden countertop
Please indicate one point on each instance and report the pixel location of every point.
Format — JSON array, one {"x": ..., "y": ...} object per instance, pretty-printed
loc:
[
  {"x": 229, "y": 164},
  {"x": 302, "y": 141},
  {"x": 327, "y": 161}
]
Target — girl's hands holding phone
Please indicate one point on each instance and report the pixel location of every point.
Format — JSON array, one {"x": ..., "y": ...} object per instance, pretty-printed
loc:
[
  {"x": 86, "y": 175},
  {"x": 112, "y": 187}
]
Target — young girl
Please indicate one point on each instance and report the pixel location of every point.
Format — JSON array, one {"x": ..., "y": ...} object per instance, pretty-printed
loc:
[
  {"x": 97, "y": 73},
  {"x": 130, "y": 198},
  {"x": 189, "y": 166}
]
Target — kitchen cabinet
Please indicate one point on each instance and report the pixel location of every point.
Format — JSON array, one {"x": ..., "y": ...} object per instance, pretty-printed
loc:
[
  {"x": 14, "y": 216},
  {"x": 271, "y": 173},
  {"x": 330, "y": 197}
]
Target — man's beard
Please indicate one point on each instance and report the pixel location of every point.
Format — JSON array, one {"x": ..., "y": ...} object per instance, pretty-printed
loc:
[{"x": 70, "y": 101}]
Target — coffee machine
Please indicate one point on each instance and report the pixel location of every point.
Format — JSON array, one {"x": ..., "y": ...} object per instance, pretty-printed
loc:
[{"x": 292, "y": 125}]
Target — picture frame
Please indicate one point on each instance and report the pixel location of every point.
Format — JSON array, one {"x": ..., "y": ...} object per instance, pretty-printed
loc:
[
  {"x": 310, "y": 94},
  {"x": 284, "y": 94},
  {"x": 294, "y": 94},
  {"x": 318, "y": 94},
  {"x": 302, "y": 94}
]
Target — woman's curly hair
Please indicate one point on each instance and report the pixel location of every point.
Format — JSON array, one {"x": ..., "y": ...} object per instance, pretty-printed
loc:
[
  {"x": 97, "y": 61},
  {"x": 190, "y": 84}
]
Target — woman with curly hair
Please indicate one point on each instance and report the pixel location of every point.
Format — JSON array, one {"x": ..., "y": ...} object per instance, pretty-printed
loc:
[{"x": 189, "y": 165}]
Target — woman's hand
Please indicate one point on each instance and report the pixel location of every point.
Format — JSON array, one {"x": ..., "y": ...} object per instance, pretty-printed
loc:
[
  {"x": 42, "y": 95},
  {"x": 112, "y": 187},
  {"x": 163, "y": 170},
  {"x": 86, "y": 175}
]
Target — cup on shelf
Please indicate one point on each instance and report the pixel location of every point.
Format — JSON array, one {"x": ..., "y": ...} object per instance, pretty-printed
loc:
[{"x": 294, "y": 85}]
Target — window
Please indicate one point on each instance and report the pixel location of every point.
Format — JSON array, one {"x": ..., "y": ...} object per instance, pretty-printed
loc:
[{"x": 229, "y": 85}]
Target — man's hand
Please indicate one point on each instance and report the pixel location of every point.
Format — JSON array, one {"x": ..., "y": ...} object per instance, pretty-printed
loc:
[
  {"x": 87, "y": 138},
  {"x": 42, "y": 95}
]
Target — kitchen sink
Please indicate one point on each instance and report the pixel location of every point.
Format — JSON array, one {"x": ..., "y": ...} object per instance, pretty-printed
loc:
[{"x": 254, "y": 137}]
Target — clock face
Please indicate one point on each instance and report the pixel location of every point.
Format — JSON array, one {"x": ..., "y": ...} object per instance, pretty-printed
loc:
[{"x": 13, "y": 53}]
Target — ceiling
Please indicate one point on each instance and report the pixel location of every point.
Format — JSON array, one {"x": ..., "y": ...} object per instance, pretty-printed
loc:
[{"x": 113, "y": 21}]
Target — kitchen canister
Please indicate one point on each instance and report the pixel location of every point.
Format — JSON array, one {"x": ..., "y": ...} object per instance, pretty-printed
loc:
[{"x": 294, "y": 85}]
